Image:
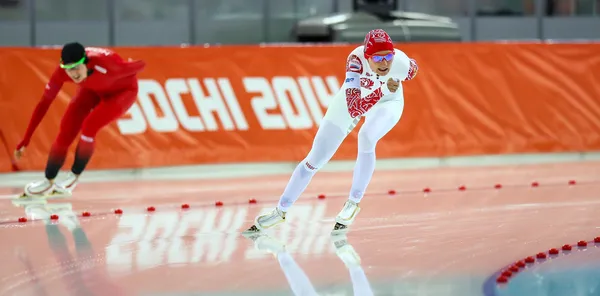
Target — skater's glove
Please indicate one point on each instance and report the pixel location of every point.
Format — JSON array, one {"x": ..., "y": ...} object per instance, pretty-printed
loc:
[
  {"x": 20, "y": 149},
  {"x": 393, "y": 84}
]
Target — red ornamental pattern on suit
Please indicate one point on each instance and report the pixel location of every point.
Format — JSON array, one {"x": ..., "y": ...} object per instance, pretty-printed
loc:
[
  {"x": 366, "y": 83},
  {"x": 358, "y": 106},
  {"x": 354, "y": 65},
  {"x": 412, "y": 70}
]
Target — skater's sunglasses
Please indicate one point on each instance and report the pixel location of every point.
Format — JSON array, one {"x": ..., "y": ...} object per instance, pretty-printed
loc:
[
  {"x": 72, "y": 65},
  {"x": 378, "y": 58}
]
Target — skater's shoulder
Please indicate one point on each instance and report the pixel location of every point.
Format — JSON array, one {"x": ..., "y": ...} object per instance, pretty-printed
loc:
[
  {"x": 398, "y": 53},
  {"x": 358, "y": 51},
  {"x": 99, "y": 52},
  {"x": 103, "y": 58}
]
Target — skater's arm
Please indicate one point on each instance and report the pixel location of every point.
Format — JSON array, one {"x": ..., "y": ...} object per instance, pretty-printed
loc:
[
  {"x": 357, "y": 106},
  {"x": 412, "y": 70},
  {"x": 50, "y": 92},
  {"x": 407, "y": 67}
]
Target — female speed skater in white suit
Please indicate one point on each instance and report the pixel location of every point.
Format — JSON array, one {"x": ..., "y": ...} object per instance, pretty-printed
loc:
[{"x": 372, "y": 89}]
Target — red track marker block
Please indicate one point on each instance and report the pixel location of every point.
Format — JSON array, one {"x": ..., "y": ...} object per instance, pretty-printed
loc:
[
  {"x": 501, "y": 280},
  {"x": 218, "y": 203},
  {"x": 498, "y": 186},
  {"x": 426, "y": 190},
  {"x": 535, "y": 184},
  {"x": 252, "y": 201},
  {"x": 462, "y": 188},
  {"x": 86, "y": 214},
  {"x": 541, "y": 256},
  {"x": 553, "y": 251},
  {"x": 567, "y": 248},
  {"x": 582, "y": 244},
  {"x": 529, "y": 260},
  {"x": 185, "y": 206},
  {"x": 392, "y": 192},
  {"x": 118, "y": 211},
  {"x": 597, "y": 240},
  {"x": 321, "y": 196},
  {"x": 54, "y": 217},
  {"x": 22, "y": 220},
  {"x": 572, "y": 182},
  {"x": 151, "y": 209}
]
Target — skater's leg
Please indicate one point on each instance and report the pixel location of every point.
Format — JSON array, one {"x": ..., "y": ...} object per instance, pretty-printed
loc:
[
  {"x": 380, "y": 120},
  {"x": 332, "y": 131},
  {"x": 327, "y": 140},
  {"x": 377, "y": 125},
  {"x": 70, "y": 125},
  {"x": 109, "y": 110}
]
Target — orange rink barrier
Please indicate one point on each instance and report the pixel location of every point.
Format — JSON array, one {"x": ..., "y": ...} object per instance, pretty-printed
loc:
[
  {"x": 255, "y": 104},
  {"x": 446, "y": 242}
]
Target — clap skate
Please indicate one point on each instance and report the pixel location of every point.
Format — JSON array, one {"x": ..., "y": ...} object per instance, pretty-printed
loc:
[
  {"x": 345, "y": 251},
  {"x": 267, "y": 221},
  {"x": 65, "y": 187},
  {"x": 47, "y": 189},
  {"x": 37, "y": 190},
  {"x": 345, "y": 217}
]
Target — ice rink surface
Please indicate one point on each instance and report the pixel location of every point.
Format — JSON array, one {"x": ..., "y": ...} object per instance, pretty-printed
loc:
[{"x": 405, "y": 241}]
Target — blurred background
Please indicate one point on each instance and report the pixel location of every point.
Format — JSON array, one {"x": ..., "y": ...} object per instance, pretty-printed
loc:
[{"x": 169, "y": 22}]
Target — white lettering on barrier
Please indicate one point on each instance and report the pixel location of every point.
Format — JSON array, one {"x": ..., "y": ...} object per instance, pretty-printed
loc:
[
  {"x": 263, "y": 103},
  {"x": 175, "y": 88},
  {"x": 166, "y": 120},
  {"x": 210, "y": 102},
  {"x": 289, "y": 98},
  {"x": 282, "y": 103}
]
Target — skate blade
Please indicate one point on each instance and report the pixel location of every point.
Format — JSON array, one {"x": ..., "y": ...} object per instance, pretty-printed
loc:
[
  {"x": 57, "y": 195},
  {"x": 24, "y": 199},
  {"x": 339, "y": 229},
  {"x": 252, "y": 230}
]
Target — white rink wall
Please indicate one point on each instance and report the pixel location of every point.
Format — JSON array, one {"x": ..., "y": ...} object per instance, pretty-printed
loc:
[{"x": 220, "y": 171}]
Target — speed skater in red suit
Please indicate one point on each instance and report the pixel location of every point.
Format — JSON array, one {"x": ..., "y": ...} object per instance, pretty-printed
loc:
[{"x": 107, "y": 88}]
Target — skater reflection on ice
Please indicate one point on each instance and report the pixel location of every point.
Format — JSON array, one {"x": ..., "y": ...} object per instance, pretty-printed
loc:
[
  {"x": 83, "y": 272},
  {"x": 297, "y": 278}
]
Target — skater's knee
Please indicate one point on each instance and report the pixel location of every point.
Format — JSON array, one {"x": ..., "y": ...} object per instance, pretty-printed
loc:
[
  {"x": 310, "y": 166},
  {"x": 89, "y": 131},
  {"x": 86, "y": 138},
  {"x": 64, "y": 138},
  {"x": 366, "y": 142},
  {"x": 315, "y": 160}
]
